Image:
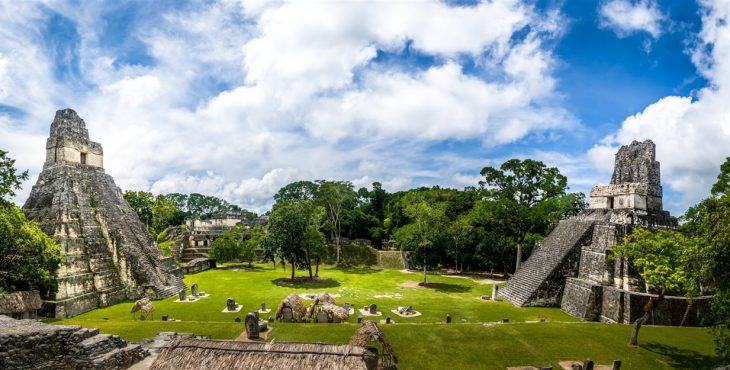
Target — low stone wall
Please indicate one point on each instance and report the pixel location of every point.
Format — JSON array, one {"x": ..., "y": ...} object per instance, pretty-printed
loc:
[
  {"x": 197, "y": 265},
  {"x": 29, "y": 344}
]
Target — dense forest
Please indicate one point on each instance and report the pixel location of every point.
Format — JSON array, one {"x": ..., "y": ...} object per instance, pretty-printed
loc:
[{"x": 482, "y": 227}]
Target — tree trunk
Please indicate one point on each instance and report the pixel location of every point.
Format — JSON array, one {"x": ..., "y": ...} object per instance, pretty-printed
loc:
[
  {"x": 424, "y": 271},
  {"x": 648, "y": 309},
  {"x": 337, "y": 243},
  {"x": 519, "y": 256},
  {"x": 309, "y": 266},
  {"x": 316, "y": 270},
  {"x": 292, "y": 272},
  {"x": 690, "y": 302},
  {"x": 637, "y": 327}
]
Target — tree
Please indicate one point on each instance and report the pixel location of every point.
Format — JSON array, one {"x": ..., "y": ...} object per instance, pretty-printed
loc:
[
  {"x": 143, "y": 203},
  {"x": 291, "y": 234},
  {"x": 28, "y": 257},
  {"x": 238, "y": 243},
  {"x": 10, "y": 180},
  {"x": 165, "y": 213},
  {"x": 709, "y": 223},
  {"x": 337, "y": 197},
  {"x": 663, "y": 259},
  {"x": 296, "y": 191},
  {"x": 722, "y": 186},
  {"x": 462, "y": 233},
  {"x": 425, "y": 232},
  {"x": 527, "y": 192}
]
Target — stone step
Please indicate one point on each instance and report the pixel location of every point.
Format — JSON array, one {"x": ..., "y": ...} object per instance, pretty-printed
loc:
[
  {"x": 100, "y": 343},
  {"x": 534, "y": 272},
  {"x": 118, "y": 358}
]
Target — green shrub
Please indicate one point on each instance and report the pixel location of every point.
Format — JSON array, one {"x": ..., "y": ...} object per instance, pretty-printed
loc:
[
  {"x": 351, "y": 254},
  {"x": 390, "y": 260}
]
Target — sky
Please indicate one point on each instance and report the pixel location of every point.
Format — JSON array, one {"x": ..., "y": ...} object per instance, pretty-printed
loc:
[{"x": 239, "y": 98}]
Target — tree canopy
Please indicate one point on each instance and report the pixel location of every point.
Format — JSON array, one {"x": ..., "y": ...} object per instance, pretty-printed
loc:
[{"x": 28, "y": 257}]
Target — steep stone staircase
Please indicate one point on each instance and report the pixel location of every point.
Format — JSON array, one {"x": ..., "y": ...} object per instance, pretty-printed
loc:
[
  {"x": 537, "y": 269},
  {"x": 170, "y": 290}
]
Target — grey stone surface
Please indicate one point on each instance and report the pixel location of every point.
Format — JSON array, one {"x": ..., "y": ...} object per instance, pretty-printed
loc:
[
  {"x": 636, "y": 162},
  {"x": 29, "y": 344},
  {"x": 108, "y": 255}
]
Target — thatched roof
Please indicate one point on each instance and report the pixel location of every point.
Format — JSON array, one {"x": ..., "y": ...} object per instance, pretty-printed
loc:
[
  {"x": 297, "y": 305},
  {"x": 20, "y": 302},
  {"x": 325, "y": 297},
  {"x": 370, "y": 332},
  {"x": 189, "y": 353}
]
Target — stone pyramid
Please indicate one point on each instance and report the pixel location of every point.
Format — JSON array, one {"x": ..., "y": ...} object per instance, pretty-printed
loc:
[
  {"x": 571, "y": 267},
  {"x": 108, "y": 255}
]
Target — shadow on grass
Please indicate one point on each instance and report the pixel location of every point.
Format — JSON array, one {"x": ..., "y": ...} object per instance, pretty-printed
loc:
[
  {"x": 447, "y": 288},
  {"x": 305, "y": 282},
  {"x": 682, "y": 358},
  {"x": 360, "y": 270},
  {"x": 241, "y": 267}
]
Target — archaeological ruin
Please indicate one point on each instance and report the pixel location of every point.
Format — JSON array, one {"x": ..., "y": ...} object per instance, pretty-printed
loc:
[
  {"x": 571, "y": 267},
  {"x": 108, "y": 255}
]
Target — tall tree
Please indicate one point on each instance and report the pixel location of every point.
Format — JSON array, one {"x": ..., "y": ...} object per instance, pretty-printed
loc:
[
  {"x": 526, "y": 191},
  {"x": 296, "y": 191},
  {"x": 462, "y": 234},
  {"x": 143, "y": 203},
  {"x": 291, "y": 229},
  {"x": 709, "y": 223},
  {"x": 337, "y": 197},
  {"x": 425, "y": 233}
]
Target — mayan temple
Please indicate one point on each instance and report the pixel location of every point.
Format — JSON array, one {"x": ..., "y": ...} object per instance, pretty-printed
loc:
[
  {"x": 108, "y": 255},
  {"x": 570, "y": 268}
]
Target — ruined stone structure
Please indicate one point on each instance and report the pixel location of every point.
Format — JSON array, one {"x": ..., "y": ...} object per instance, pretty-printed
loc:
[
  {"x": 108, "y": 255},
  {"x": 570, "y": 268},
  {"x": 202, "y": 233},
  {"x": 29, "y": 344}
]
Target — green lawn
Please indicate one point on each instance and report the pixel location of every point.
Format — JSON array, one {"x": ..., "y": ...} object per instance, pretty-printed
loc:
[{"x": 472, "y": 341}]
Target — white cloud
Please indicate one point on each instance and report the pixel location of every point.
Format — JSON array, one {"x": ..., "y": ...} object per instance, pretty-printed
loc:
[
  {"x": 626, "y": 17},
  {"x": 691, "y": 135},
  {"x": 243, "y": 97}
]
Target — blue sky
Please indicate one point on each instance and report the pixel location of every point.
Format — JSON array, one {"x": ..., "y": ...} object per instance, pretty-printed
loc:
[{"x": 238, "y": 98}]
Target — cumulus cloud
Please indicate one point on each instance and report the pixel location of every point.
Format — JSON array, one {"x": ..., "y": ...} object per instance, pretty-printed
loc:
[
  {"x": 627, "y": 17},
  {"x": 691, "y": 134},
  {"x": 237, "y": 99}
]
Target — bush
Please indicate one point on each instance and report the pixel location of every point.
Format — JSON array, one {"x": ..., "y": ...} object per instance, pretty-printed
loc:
[{"x": 351, "y": 254}]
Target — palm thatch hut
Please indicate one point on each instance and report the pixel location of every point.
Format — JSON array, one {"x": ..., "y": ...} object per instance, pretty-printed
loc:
[
  {"x": 369, "y": 333},
  {"x": 325, "y": 297},
  {"x": 189, "y": 353},
  {"x": 330, "y": 311},
  {"x": 291, "y": 304},
  {"x": 20, "y": 305}
]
